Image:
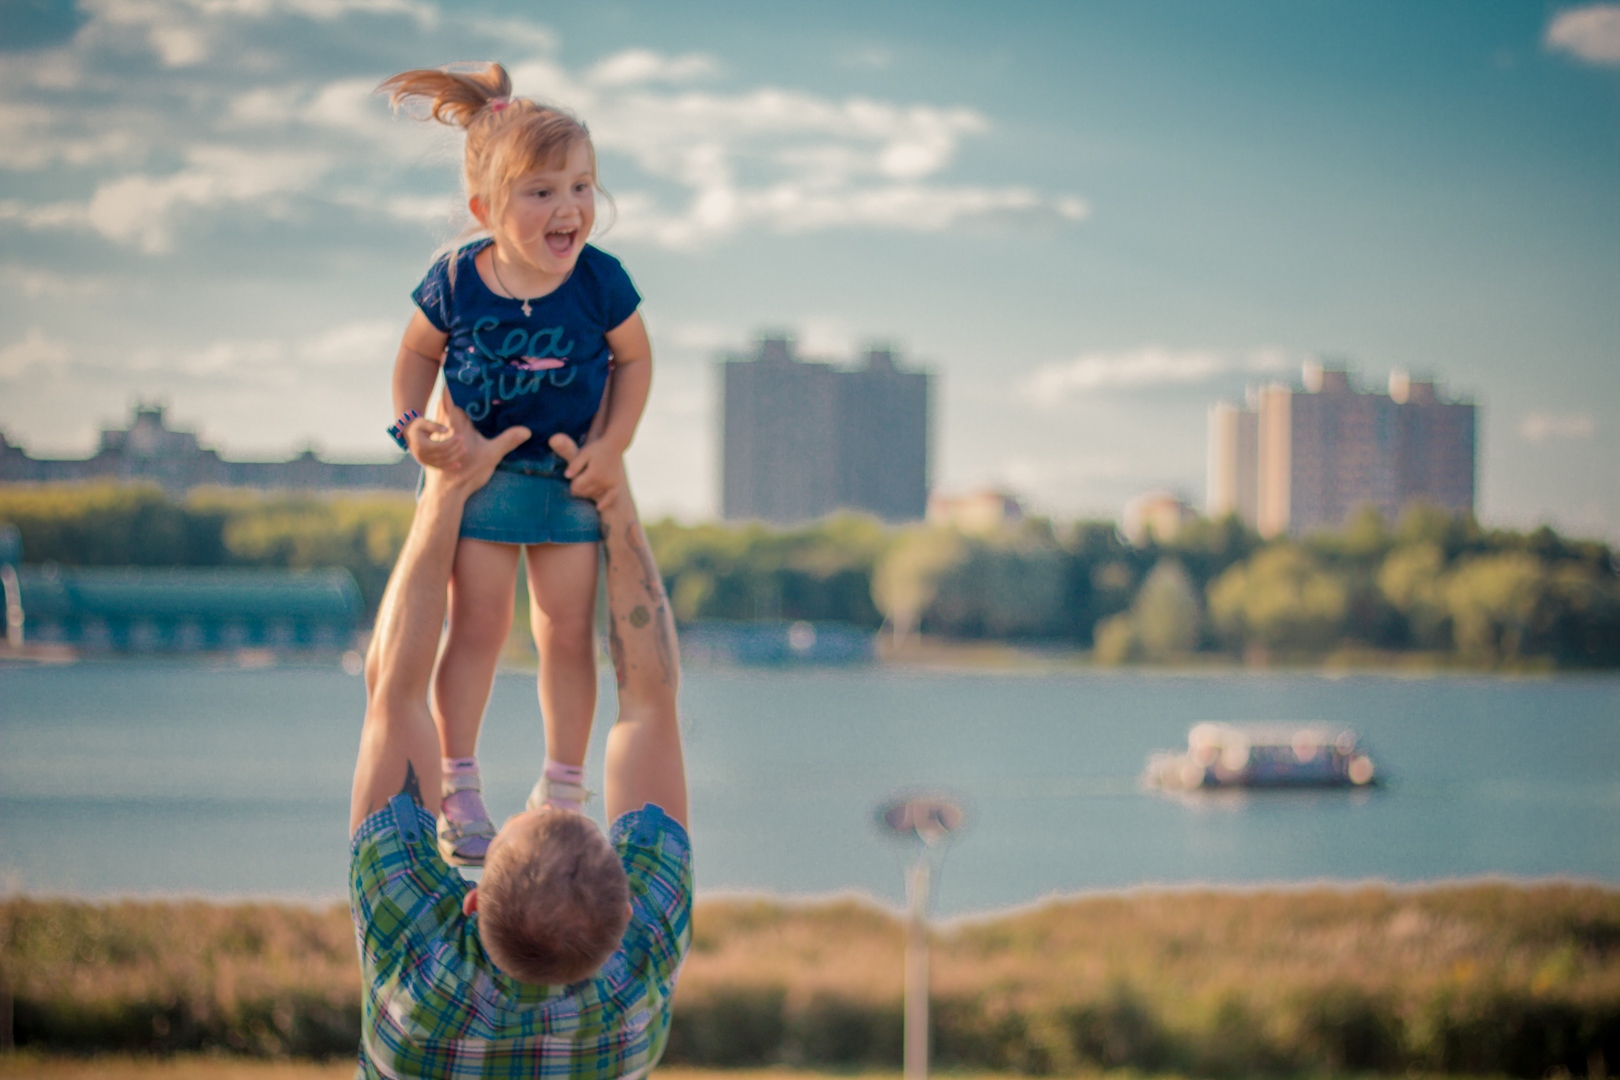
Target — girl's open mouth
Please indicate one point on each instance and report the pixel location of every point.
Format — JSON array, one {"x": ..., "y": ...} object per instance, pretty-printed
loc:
[{"x": 561, "y": 243}]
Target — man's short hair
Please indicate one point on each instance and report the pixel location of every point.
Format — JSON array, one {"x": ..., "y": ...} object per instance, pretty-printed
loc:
[{"x": 553, "y": 901}]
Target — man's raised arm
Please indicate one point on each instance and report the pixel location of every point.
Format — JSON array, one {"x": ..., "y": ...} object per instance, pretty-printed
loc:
[
  {"x": 644, "y": 762},
  {"x": 399, "y": 746}
]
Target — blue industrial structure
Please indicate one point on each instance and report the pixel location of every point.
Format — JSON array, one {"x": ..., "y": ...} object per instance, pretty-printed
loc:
[{"x": 98, "y": 609}]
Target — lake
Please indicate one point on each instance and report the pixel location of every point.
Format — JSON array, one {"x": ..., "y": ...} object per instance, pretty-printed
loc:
[{"x": 203, "y": 778}]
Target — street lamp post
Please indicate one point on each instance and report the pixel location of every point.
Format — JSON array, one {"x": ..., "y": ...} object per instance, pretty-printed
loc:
[
  {"x": 10, "y": 587},
  {"x": 925, "y": 825},
  {"x": 11, "y": 592}
]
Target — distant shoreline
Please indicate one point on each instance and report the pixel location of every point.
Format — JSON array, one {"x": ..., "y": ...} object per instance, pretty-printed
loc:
[
  {"x": 935, "y": 653},
  {"x": 930, "y": 655}
]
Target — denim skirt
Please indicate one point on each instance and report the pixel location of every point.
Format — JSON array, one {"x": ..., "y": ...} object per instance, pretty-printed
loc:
[{"x": 527, "y": 502}]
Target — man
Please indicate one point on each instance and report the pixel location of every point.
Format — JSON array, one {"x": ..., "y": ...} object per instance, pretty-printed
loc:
[{"x": 562, "y": 962}]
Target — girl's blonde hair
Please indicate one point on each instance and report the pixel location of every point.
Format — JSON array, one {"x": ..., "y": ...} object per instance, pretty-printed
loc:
[{"x": 507, "y": 137}]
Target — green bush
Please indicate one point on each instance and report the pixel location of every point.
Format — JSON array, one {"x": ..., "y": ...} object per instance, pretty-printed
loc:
[
  {"x": 730, "y": 1028},
  {"x": 1120, "y": 1030},
  {"x": 833, "y": 1031}
]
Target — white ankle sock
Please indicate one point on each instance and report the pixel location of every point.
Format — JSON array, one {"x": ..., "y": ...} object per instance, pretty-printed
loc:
[
  {"x": 468, "y": 804},
  {"x": 560, "y": 774}
]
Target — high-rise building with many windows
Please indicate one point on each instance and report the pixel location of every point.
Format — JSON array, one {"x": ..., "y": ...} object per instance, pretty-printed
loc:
[
  {"x": 1294, "y": 461},
  {"x": 800, "y": 439}
]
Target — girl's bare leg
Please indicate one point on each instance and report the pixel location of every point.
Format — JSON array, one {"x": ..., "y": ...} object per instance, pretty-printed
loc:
[
  {"x": 480, "y": 619},
  {"x": 562, "y": 595}
]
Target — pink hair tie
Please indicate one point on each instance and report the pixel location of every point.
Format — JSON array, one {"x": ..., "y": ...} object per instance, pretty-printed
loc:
[{"x": 497, "y": 104}]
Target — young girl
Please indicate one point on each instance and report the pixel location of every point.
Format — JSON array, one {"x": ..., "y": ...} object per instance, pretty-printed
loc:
[{"x": 525, "y": 323}]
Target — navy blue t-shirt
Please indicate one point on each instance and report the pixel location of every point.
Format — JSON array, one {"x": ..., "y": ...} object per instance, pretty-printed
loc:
[{"x": 546, "y": 370}]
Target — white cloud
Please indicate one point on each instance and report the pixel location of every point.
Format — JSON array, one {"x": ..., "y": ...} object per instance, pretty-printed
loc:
[
  {"x": 424, "y": 209},
  {"x": 263, "y": 106},
  {"x": 1590, "y": 33},
  {"x": 424, "y": 15},
  {"x": 515, "y": 35},
  {"x": 52, "y": 215},
  {"x": 634, "y": 66},
  {"x": 176, "y": 33},
  {"x": 836, "y": 164},
  {"x": 33, "y": 353},
  {"x": 1072, "y": 207},
  {"x": 183, "y": 33},
  {"x": 28, "y": 140},
  {"x": 1150, "y": 365},
  {"x": 370, "y": 343},
  {"x": 689, "y": 167},
  {"x": 698, "y": 337},
  {"x": 364, "y": 347},
  {"x": 870, "y": 57},
  {"x": 35, "y": 283},
  {"x": 827, "y": 337},
  {"x": 141, "y": 210},
  {"x": 251, "y": 361},
  {"x": 349, "y": 105},
  {"x": 1538, "y": 427},
  {"x": 1045, "y": 474}
]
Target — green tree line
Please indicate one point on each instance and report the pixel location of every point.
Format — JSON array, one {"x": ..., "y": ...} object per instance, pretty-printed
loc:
[
  {"x": 138, "y": 525},
  {"x": 1430, "y": 583}
]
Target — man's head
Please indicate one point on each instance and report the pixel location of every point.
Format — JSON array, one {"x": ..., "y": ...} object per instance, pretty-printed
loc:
[{"x": 554, "y": 900}]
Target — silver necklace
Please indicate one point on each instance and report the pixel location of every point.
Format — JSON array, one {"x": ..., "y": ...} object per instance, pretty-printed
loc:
[{"x": 494, "y": 264}]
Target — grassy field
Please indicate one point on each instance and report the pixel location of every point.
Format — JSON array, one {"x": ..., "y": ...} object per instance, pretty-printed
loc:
[
  {"x": 182, "y": 1067},
  {"x": 1474, "y": 979},
  {"x": 216, "y": 1067}
]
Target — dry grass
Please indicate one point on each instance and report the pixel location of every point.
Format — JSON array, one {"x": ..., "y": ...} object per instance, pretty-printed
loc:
[
  {"x": 214, "y": 1067},
  {"x": 186, "y": 1067},
  {"x": 250, "y": 978},
  {"x": 1477, "y": 978},
  {"x": 1185, "y": 946}
]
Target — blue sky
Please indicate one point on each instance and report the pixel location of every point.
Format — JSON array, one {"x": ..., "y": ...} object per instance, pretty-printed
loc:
[{"x": 1090, "y": 220}]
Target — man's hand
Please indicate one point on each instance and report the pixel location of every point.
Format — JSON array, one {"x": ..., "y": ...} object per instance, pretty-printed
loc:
[
  {"x": 595, "y": 471},
  {"x": 434, "y": 444},
  {"x": 476, "y": 461}
]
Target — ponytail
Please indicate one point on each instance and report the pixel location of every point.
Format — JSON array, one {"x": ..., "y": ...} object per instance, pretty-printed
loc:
[
  {"x": 454, "y": 97},
  {"x": 506, "y": 136}
]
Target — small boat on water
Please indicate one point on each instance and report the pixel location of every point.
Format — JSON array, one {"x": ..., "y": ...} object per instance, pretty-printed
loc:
[{"x": 1262, "y": 756}]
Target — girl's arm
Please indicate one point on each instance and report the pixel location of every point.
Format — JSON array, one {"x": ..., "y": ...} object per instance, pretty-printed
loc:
[
  {"x": 631, "y": 382},
  {"x": 598, "y": 469},
  {"x": 421, "y": 353}
]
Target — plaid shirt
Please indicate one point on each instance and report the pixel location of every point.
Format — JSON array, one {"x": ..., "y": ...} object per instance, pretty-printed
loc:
[{"x": 435, "y": 1004}]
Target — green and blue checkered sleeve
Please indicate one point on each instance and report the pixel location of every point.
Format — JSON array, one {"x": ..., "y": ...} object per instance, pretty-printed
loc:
[
  {"x": 657, "y": 857},
  {"x": 400, "y": 890}
]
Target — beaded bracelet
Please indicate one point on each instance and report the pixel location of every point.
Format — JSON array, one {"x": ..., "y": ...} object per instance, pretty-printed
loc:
[{"x": 396, "y": 430}]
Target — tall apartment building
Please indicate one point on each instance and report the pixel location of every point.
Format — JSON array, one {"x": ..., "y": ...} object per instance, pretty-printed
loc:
[
  {"x": 1293, "y": 461},
  {"x": 1234, "y": 479},
  {"x": 801, "y": 439}
]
